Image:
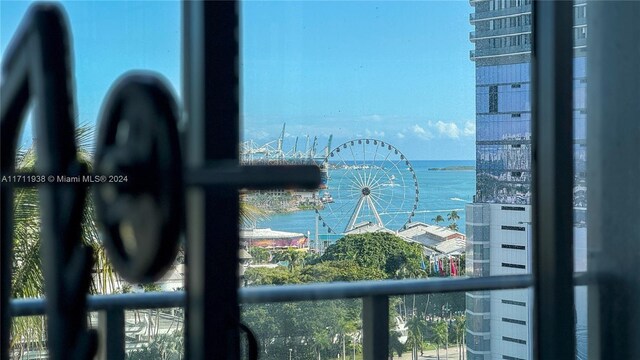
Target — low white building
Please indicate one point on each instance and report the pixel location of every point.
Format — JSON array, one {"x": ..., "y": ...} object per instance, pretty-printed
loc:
[{"x": 440, "y": 239}]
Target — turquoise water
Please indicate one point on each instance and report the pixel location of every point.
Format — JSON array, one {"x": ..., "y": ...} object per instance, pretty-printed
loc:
[{"x": 440, "y": 192}]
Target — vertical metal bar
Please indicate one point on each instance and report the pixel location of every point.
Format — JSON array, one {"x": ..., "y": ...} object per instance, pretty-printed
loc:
[
  {"x": 552, "y": 80},
  {"x": 14, "y": 97},
  {"x": 37, "y": 68},
  {"x": 375, "y": 327},
  {"x": 111, "y": 334},
  {"x": 613, "y": 94},
  {"x": 212, "y": 107}
]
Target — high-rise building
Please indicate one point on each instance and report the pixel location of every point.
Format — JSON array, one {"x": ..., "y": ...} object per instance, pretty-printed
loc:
[{"x": 498, "y": 221}]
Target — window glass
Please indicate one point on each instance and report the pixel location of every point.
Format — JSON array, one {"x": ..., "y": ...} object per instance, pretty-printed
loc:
[
  {"x": 109, "y": 39},
  {"x": 425, "y": 152},
  {"x": 383, "y": 100},
  {"x": 499, "y": 219},
  {"x": 580, "y": 171}
]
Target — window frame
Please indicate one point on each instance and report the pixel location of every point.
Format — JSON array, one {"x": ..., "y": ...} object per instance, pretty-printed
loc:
[{"x": 210, "y": 55}]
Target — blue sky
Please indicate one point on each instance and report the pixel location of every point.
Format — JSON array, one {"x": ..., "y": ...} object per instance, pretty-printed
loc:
[{"x": 398, "y": 71}]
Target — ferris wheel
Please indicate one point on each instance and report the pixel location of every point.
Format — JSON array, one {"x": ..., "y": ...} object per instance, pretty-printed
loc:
[{"x": 370, "y": 181}]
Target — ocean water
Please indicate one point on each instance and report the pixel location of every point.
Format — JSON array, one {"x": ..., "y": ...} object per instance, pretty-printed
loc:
[{"x": 439, "y": 193}]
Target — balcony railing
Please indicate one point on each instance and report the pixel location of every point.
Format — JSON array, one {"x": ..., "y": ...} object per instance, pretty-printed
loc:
[
  {"x": 481, "y": 34},
  {"x": 509, "y": 50},
  {"x": 375, "y": 296},
  {"x": 485, "y": 15}
]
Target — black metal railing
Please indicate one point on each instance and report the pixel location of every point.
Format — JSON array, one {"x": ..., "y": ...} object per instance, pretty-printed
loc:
[{"x": 375, "y": 295}]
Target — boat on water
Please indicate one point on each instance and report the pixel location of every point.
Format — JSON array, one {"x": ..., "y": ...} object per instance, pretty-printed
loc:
[
  {"x": 326, "y": 198},
  {"x": 391, "y": 182}
]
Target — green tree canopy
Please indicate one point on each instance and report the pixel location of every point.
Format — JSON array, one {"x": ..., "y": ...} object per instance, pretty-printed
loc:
[
  {"x": 341, "y": 270},
  {"x": 271, "y": 276},
  {"x": 383, "y": 251},
  {"x": 318, "y": 329},
  {"x": 259, "y": 255}
]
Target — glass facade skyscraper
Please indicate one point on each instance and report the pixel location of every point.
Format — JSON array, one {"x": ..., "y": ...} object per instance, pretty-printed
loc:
[{"x": 498, "y": 222}]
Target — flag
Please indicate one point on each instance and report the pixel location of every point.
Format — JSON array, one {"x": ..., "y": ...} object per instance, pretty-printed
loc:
[{"x": 454, "y": 271}]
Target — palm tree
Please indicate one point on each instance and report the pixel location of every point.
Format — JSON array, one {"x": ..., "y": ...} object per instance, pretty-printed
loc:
[
  {"x": 27, "y": 279},
  {"x": 292, "y": 256},
  {"x": 459, "y": 328},
  {"x": 348, "y": 328},
  {"x": 395, "y": 346},
  {"x": 453, "y": 216},
  {"x": 438, "y": 219},
  {"x": 416, "y": 327},
  {"x": 249, "y": 213},
  {"x": 440, "y": 335}
]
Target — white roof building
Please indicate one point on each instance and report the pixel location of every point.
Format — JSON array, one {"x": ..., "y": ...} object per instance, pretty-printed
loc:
[
  {"x": 441, "y": 239},
  {"x": 455, "y": 246},
  {"x": 272, "y": 238},
  {"x": 368, "y": 227}
]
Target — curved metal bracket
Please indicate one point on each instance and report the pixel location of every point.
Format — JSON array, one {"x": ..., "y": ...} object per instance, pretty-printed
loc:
[
  {"x": 138, "y": 138},
  {"x": 36, "y": 67}
]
